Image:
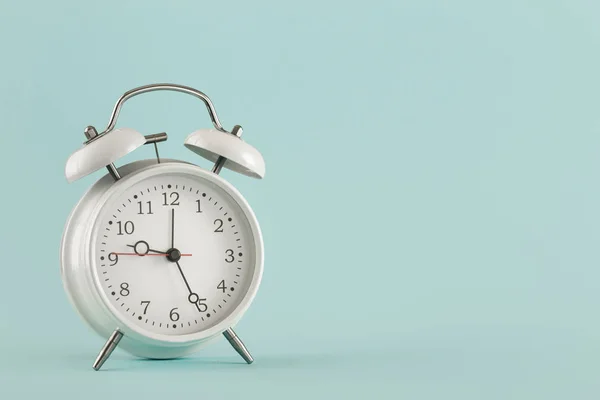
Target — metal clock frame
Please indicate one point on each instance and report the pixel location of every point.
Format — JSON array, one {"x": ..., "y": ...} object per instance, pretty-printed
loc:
[{"x": 92, "y": 134}]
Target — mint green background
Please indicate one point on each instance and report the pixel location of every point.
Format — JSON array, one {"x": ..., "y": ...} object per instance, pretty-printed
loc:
[{"x": 430, "y": 208}]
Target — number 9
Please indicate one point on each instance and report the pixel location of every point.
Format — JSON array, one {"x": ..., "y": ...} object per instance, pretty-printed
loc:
[{"x": 113, "y": 257}]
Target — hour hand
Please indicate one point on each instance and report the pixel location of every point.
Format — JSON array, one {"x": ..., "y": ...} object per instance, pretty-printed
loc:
[{"x": 142, "y": 248}]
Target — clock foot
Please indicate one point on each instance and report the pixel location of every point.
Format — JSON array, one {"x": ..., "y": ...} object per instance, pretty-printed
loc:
[
  {"x": 238, "y": 345},
  {"x": 108, "y": 348}
]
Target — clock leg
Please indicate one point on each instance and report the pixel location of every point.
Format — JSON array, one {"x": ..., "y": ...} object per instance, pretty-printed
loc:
[
  {"x": 238, "y": 345},
  {"x": 108, "y": 348}
]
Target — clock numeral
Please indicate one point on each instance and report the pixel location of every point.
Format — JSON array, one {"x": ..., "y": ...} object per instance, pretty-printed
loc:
[
  {"x": 173, "y": 198},
  {"x": 222, "y": 286},
  {"x": 124, "y": 289},
  {"x": 145, "y": 308},
  {"x": 173, "y": 315},
  {"x": 219, "y": 223},
  {"x": 128, "y": 227},
  {"x": 230, "y": 258},
  {"x": 202, "y": 306},
  {"x": 198, "y": 202},
  {"x": 113, "y": 257},
  {"x": 141, "y": 212}
]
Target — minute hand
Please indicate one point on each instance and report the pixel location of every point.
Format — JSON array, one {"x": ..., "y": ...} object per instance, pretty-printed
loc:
[{"x": 192, "y": 294}]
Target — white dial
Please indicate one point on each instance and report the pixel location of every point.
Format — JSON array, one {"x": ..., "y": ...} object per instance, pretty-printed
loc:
[{"x": 174, "y": 254}]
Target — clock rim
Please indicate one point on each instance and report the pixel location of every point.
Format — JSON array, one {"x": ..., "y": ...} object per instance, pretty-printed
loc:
[{"x": 116, "y": 189}]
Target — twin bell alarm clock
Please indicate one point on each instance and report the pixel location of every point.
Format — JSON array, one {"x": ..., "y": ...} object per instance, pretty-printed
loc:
[{"x": 161, "y": 256}]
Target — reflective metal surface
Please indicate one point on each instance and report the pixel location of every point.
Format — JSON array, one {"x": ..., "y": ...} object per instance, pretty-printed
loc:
[{"x": 107, "y": 350}]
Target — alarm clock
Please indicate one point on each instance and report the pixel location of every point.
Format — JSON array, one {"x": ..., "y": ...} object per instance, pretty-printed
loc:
[{"x": 161, "y": 256}]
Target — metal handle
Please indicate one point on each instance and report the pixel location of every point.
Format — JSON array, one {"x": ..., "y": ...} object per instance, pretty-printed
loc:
[{"x": 164, "y": 86}]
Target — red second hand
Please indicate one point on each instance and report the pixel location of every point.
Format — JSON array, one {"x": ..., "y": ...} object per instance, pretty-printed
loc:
[{"x": 147, "y": 254}]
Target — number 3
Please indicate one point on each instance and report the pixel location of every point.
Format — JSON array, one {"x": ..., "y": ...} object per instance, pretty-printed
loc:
[{"x": 230, "y": 258}]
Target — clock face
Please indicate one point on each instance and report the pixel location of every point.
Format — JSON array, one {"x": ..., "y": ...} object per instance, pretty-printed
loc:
[{"x": 174, "y": 254}]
